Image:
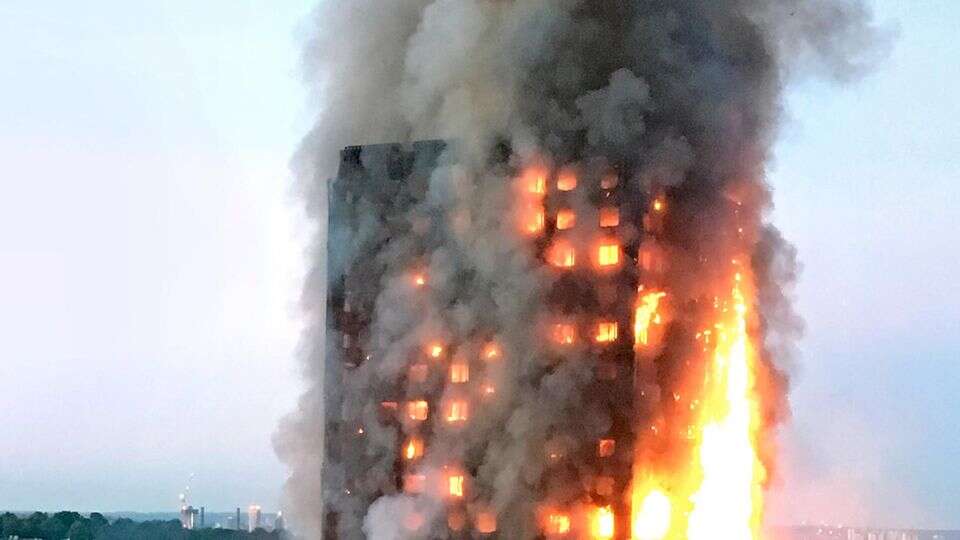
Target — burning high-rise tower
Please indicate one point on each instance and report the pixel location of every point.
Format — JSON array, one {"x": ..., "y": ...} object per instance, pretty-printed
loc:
[{"x": 564, "y": 320}]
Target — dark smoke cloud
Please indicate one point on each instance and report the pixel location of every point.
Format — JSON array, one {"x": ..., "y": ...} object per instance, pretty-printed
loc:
[{"x": 686, "y": 91}]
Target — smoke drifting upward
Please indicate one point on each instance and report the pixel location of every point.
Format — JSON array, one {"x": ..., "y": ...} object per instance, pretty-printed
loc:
[{"x": 680, "y": 100}]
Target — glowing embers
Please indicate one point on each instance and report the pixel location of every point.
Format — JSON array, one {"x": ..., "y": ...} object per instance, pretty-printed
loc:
[
  {"x": 603, "y": 523},
  {"x": 564, "y": 334},
  {"x": 556, "y": 524},
  {"x": 608, "y": 253},
  {"x": 562, "y": 254},
  {"x": 606, "y": 447},
  {"x": 413, "y": 449},
  {"x": 566, "y": 219},
  {"x": 609, "y": 216},
  {"x": 651, "y": 519},
  {"x": 606, "y": 332},
  {"x": 459, "y": 372},
  {"x": 567, "y": 180},
  {"x": 456, "y": 411},
  {"x": 486, "y": 522},
  {"x": 414, "y": 483},
  {"x": 418, "y": 410},
  {"x": 647, "y": 317}
]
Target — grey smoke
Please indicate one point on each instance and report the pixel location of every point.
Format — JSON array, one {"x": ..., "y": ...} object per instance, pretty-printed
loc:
[{"x": 688, "y": 90}]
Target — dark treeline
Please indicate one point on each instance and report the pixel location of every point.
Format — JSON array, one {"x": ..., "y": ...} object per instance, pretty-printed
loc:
[{"x": 74, "y": 526}]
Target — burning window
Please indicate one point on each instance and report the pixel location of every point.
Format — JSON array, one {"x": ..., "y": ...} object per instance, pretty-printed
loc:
[
  {"x": 534, "y": 180},
  {"x": 604, "y": 486},
  {"x": 603, "y": 523},
  {"x": 557, "y": 524},
  {"x": 419, "y": 279},
  {"x": 534, "y": 219},
  {"x": 659, "y": 205},
  {"x": 562, "y": 254},
  {"x": 418, "y": 410},
  {"x": 609, "y": 216},
  {"x": 491, "y": 351},
  {"x": 606, "y": 332},
  {"x": 566, "y": 219},
  {"x": 564, "y": 334},
  {"x": 459, "y": 372},
  {"x": 413, "y": 449},
  {"x": 609, "y": 253},
  {"x": 609, "y": 181},
  {"x": 486, "y": 522},
  {"x": 455, "y": 485},
  {"x": 435, "y": 350},
  {"x": 419, "y": 372},
  {"x": 606, "y": 447},
  {"x": 456, "y": 411},
  {"x": 567, "y": 180},
  {"x": 414, "y": 483}
]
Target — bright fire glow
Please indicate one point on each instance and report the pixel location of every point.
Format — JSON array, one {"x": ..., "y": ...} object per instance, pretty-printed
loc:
[
  {"x": 729, "y": 497},
  {"x": 606, "y": 332},
  {"x": 435, "y": 350},
  {"x": 608, "y": 254},
  {"x": 562, "y": 254},
  {"x": 418, "y": 410},
  {"x": 491, "y": 351},
  {"x": 609, "y": 216},
  {"x": 455, "y": 485},
  {"x": 567, "y": 180},
  {"x": 651, "y": 521},
  {"x": 558, "y": 524},
  {"x": 413, "y": 449},
  {"x": 566, "y": 219},
  {"x": 419, "y": 280},
  {"x": 603, "y": 524},
  {"x": 646, "y": 314},
  {"x": 564, "y": 334}
]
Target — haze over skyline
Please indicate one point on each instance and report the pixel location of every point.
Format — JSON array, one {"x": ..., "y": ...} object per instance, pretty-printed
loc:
[{"x": 151, "y": 252}]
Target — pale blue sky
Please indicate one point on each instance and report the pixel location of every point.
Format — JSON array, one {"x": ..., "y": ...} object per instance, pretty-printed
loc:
[{"x": 150, "y": 252}]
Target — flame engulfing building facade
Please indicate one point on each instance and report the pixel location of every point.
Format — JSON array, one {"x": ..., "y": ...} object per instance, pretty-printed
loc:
[{"x": 563, "y": 322}]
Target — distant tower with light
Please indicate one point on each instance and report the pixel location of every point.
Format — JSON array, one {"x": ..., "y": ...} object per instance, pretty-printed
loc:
[{"x": 253, "y": 517}]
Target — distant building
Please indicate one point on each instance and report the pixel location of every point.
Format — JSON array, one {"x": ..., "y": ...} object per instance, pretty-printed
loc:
[
  {"x": 253, "y": 517},
  {"x": 188, "y": 517},
  {"x": 278, "y": 524}
]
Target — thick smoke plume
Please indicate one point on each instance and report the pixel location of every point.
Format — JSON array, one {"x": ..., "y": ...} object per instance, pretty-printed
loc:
[{"x": 686, "y": 94}]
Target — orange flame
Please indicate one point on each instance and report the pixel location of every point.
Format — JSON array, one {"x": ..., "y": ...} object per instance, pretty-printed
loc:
[
  {"x": 646, "y": 314},
  {"x": 603, "y": 523},
  {"x": 729, "y": 497}
]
